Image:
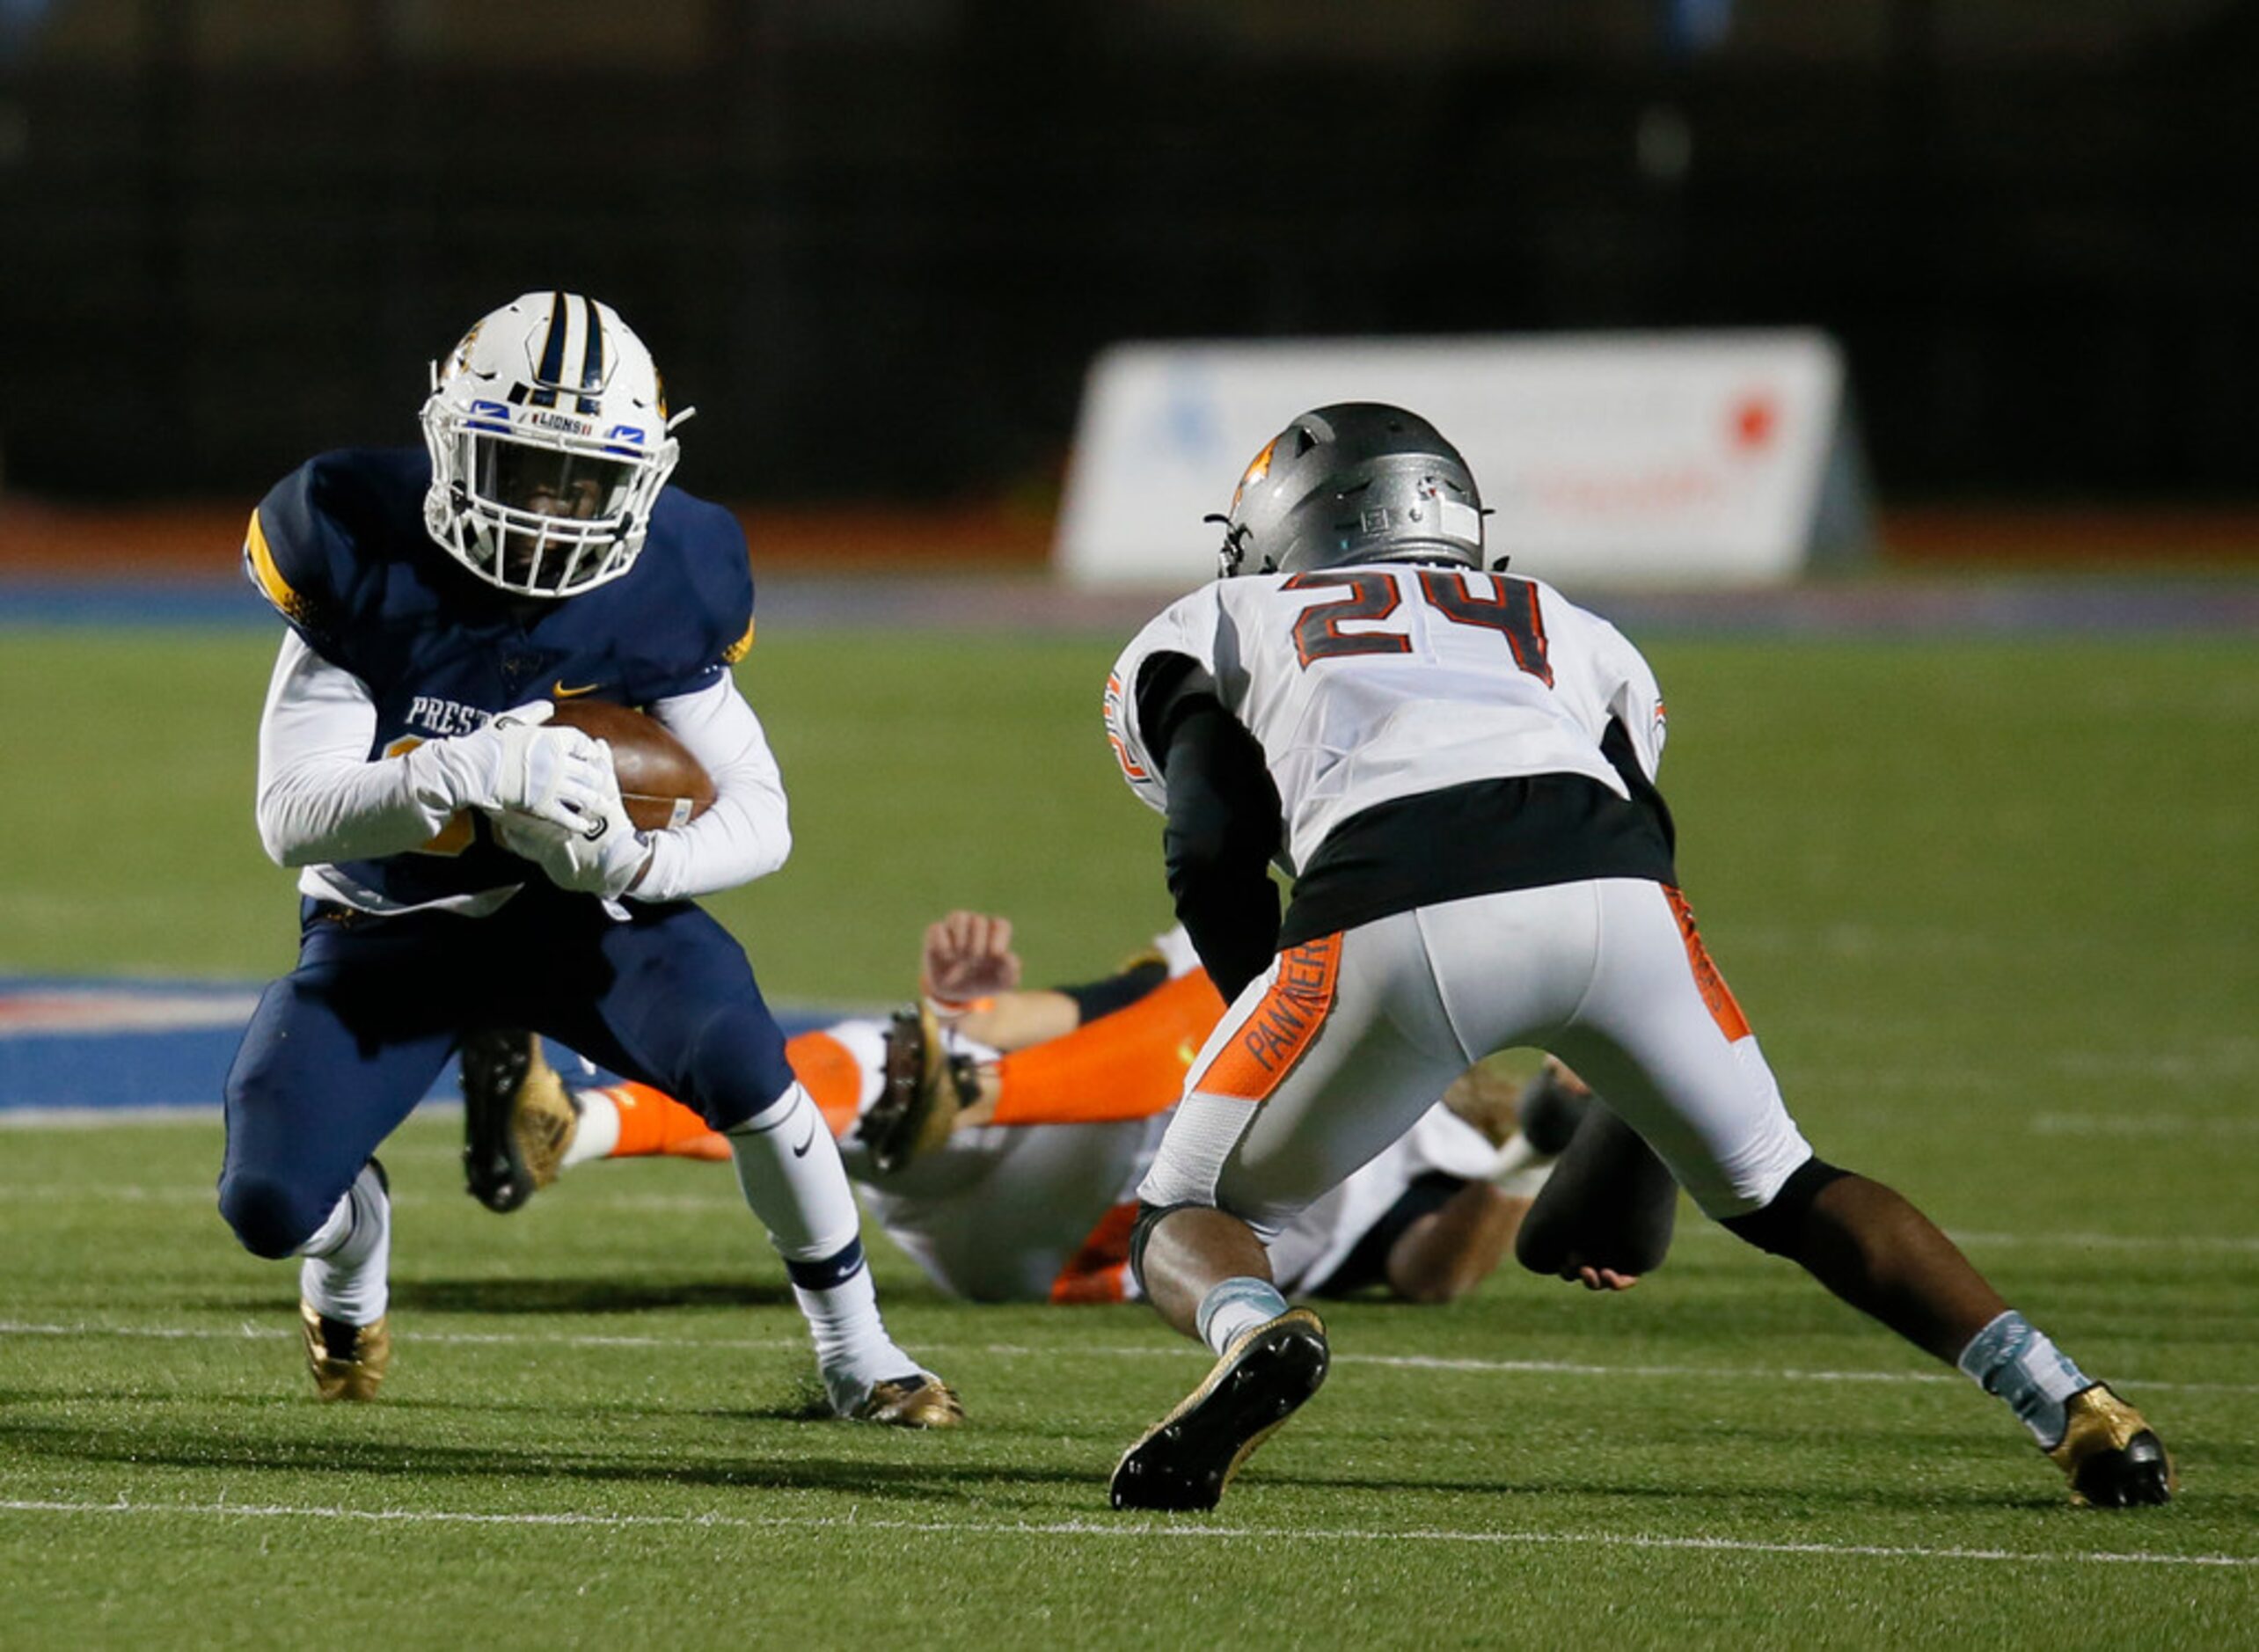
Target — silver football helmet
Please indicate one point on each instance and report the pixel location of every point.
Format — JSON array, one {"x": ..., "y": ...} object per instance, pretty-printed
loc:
[
  {"x": 550, "y": 440},
  {"x": 1352, "y": 482}
]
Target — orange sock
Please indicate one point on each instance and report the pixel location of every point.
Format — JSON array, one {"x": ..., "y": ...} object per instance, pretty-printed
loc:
[
  {"x": 1125, "y": 1066},
  {"x": 1100, "y": 1271},
  {"x": 653, "y": 1122},
  {"x": 832, "y": 1076}
]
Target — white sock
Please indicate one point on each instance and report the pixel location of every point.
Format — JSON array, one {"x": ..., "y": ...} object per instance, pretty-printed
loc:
[
  {"x": 597, "y": 1133},
  {"x": 1236, "y": 1307},
  {"x": 2020, "y": 1365},
  {"x": 852, "y": 1348},
  {"x": 347, "y": 1261},
  {"x": 789, "y": 1168}
]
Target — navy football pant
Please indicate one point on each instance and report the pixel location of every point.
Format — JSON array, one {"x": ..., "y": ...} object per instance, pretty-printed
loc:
[{"x": 341, "y": 1048}]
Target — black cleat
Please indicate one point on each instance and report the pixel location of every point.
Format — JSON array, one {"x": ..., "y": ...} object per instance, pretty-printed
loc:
[
  {"x": 919, "y": 1097},
  {"x": 2113, "y": 1457},
  {"x": 1186, "y": 1460},
  {"x": 518, "y": 1118}
]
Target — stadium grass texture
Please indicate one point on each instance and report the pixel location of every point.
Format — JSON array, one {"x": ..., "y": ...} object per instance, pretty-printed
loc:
[{"x": 1989, "y": 904}]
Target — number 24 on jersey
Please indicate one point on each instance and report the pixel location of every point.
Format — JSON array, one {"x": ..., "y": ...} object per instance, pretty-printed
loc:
[{"x": 1487, "y": 602}]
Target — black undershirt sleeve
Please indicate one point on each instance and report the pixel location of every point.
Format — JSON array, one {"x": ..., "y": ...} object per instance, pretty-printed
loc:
[
  {"x": 1616, "y": 746},
  {"x": 1223, "y": 825},
  {"x": 1116, "y": 992}
]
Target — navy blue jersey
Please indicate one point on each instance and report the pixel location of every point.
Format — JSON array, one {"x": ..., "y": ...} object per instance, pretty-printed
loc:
[{"x": 341, "y": 550}]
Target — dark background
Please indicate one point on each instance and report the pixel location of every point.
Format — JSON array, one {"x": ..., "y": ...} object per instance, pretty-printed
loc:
[{"x": 878, "y": 241}]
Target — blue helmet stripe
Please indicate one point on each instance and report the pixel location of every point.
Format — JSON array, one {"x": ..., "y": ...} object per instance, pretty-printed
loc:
[
  {"x": 552, "y": 348},
  {"x": 551, "y": 365},
  {"x": 592, "y": 358}
]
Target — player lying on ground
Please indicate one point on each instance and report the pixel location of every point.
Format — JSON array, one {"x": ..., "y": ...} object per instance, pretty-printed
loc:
[
  {"x": 1456, "y": 768},
  {"x": 1002, "y": 1154},
  {"x": 465, "y": 865}
]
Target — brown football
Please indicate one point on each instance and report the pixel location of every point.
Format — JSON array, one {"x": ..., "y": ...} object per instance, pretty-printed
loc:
[{"x": 661, "y": 782}]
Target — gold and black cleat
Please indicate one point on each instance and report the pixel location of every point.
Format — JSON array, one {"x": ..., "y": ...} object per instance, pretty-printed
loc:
[
  {"x": 1186, "y": 1460},
  {"x": 2112, "y": 1456},
  {"x": 919, "y": 1402},
  {"x": 518, "y": 1118},
  {"x": 348, "y": 1361},
  {"x": 921, "y": 1093}
]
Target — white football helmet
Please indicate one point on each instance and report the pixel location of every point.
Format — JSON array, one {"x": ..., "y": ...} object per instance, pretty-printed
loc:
[{"x": 550, "y": 442}]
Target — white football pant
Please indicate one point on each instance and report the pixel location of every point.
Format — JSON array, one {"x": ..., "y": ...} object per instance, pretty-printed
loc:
[{"x": 1339, "y": 1047}]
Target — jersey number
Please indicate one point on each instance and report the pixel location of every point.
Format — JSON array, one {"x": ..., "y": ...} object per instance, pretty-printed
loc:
[{"x": 1488, "y": 600}]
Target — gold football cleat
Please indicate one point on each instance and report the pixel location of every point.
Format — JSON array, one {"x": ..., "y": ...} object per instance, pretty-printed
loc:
[
  {"x": 1186, "y": 1460},
  {"x": 2112, "y": 1456},
  {"x": 918, "y": 1102},
  {"x": 348, "y": 1361},
  {"x": 518, "y": 1118},
  {"x": 912, "y": 1402}
]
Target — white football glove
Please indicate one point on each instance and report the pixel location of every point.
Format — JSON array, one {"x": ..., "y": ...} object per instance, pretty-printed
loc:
[
  {"x": 600, "y": 853},
  {"x": 557, "y": 775}
]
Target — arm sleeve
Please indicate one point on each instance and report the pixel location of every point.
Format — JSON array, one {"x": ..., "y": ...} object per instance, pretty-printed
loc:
[
  {"x": 1221, "y": 826},
  {"x": 1095, "y": 998},
  {"x": 747, "y": 833},
  {"x": 320, "y": 798}
]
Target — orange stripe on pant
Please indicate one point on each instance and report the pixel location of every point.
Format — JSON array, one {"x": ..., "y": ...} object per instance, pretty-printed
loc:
[
  {"x": 1266, "y": 1045},
  {"x": 1126, "y": 1065},
  {"x": 1715, "y": 994}
]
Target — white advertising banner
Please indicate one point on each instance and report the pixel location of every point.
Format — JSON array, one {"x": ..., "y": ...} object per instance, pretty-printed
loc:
[{"x": 1608, "y": 458}]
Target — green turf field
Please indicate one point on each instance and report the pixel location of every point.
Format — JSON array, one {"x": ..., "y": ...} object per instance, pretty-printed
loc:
[{"x": 1990, "y": 905}]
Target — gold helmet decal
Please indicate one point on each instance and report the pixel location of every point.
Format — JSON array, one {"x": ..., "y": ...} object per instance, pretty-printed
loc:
[
  {"x": 1258, "y": 468},
  {"x": 459, "y": 359}
]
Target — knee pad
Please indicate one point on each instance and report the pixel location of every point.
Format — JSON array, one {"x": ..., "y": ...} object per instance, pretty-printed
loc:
[
  {"x": 1148, "y": 1217},
  {"x": 268, "y": 1218},
  {"x": 1776, "y": 1227}
]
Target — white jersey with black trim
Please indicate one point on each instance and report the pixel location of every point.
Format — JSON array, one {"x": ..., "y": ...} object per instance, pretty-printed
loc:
[{"x": 1367, "y": 684}]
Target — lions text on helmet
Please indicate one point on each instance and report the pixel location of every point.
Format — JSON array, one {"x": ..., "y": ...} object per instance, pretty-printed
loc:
[
  {"x": 549, "y": 440},
  {"x": 1353, "y": 482}
]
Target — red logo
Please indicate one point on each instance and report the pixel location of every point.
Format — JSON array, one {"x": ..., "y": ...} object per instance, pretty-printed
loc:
[{"x": 1753, "y": 420}]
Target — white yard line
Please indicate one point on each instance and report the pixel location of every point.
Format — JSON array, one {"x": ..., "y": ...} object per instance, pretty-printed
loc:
[
  {"x": 1012, "y": 1350},
  {"x": 1126, "y": 1528}
]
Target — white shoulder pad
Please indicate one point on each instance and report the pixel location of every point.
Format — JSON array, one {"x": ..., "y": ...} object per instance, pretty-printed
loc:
[
  {"x": 1612, "y": 680},
  {"x": 1187, "y": 626}
]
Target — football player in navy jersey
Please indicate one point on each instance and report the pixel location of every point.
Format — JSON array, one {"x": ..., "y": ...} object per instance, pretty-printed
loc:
[{"x": 464, "y": 863}]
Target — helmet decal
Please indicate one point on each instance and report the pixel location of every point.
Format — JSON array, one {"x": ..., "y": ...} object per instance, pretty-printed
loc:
[{"x": 1258, "y": 468}]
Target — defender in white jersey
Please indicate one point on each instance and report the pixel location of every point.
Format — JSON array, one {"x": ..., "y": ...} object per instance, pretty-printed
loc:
[{"x": 1456, "y": 769}]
